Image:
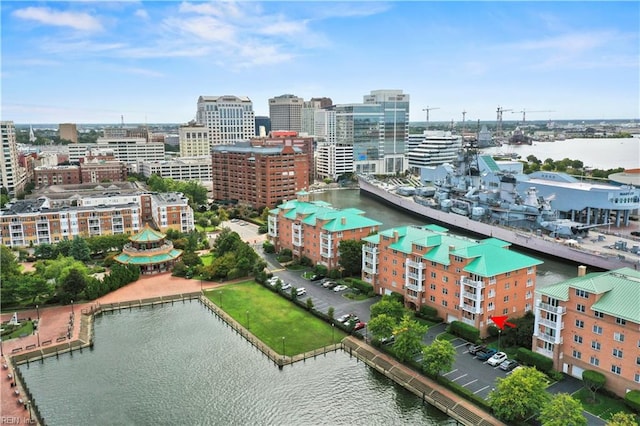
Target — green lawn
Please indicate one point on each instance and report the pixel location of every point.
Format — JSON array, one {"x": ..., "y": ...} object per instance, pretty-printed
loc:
[
  {"x": 207, "y": 259},
  {"x": 604, "y": 406},
  {"x": 25, "y": 327},
  {"x": 271, "y": 317},
  {"x": 207, "y": 229}
]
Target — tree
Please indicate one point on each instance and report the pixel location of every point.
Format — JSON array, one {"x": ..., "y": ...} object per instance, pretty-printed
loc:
[
  {"x": 331, "y": 312},
  {"x": 382, "y": 326},
  {"x": 351, "y": 256},
  {"x": 265, "y": 214},
  {"x": 438, "y": 357},
  {"x": 592, "y": 381},
  {"x": 80, "y": 249},
  {"x": 74, "y": 284},
  {"x": 45, "y": 251},
  {"x": 409, "y": 335},
  {"x": 309, "y": 304},
  {"x": 388, "y": 306},
  {"x": 519, "y": 395},
  {"x": 622, "y": 419},
  {"x": 562, "y": 410},
  {"x": 226, "y": 241},
  {"x": 8, "y": 264}
]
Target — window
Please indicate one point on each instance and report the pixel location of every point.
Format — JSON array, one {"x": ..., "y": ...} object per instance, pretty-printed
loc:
[
  {"x": 492, "y": 293},
  {"x": 580, "y": 308},
  {"x": 620, "y": 321},
  {"x": 598, "y": 314},
  {"x": 618, "y": 337},
  {"x": 432, "y": 298},
  {"x": 579, "y": 323},
  {"x": 490, "y": 306},
  {"x": 594, "y": 361},
  {"x": 433, "y": 274},
  {"x": 444, "y": 303},
  {"x": 617, "y": 353},
  {"x": 433, "y": 286},
  {"x": 506, "y": 299},
  {"x": 529, "y": 282},
  {"x": 638, "y": 360},
  {"x": 577, "y": 339},
  {"x": 445, "y": 291},
  {"x": 582, "y": 293},
  {"x": 577, "y": 354},
  {"x": 595, "y": 345},
  {"x": 506, "y": 286},
  {"x": 637, "y": 378},
  {"x": 445, "y": 279},
  {"x": 529, "y": 295},
  {"x": 616, "y": 369},
  {"x": 597, "y": 329},
  {"x": 505, "y": 311}
]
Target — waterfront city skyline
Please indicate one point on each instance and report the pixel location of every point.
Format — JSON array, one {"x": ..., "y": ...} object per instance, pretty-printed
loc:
[{"x": 93, "y": 62}]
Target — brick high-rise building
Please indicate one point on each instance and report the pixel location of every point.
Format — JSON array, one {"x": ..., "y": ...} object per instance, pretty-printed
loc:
[
  {"x": 258, "y": 175},
  {"x": 68, "y": 131},
  {"x": 464, "y": 279},
  {"x": 12, "y": 175},
  {"x": 280, "y": 138},
  {"x": 592, "y": 322}
]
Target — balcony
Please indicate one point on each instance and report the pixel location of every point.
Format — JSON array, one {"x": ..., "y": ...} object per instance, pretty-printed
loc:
[
  {"x": 414, "y": 276},
  {"x": 560, "y": 310},
  {"x": 551, "y": 324},
  {"x": 468, "y": 321},
  {"x": 369, "y": 269},
  {"x": 471, "y": 283},
  {"x": 473, "y": 296},
  {"x": 547, "y": 338},
  {"x": 545, "y": 352},
  {"x": 415, "y": 287},
  {"x": 416, "y": 265},
  {"x": 471, "y": 309},
  {"x": 373, "y": 251}
]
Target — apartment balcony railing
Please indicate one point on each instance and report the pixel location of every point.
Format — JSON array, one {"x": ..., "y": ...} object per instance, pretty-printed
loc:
[
  {"x": 368, "y": 269},
  {"x": 468, "y": 321},
  {"x": 472, "y": 283},
  {"x": 416, "y": 265},
  {"x": 471, "y": 308},
  {"x": 545, "y": 352},
  {"x": 473, "y": 296},
  {"x": 550, "y": 323},
  {"x": 370, "y": 250},
  {"x": 550, "y": 308},
  {"x": 548, "y": 338},
  {"x": 415, "y": 287}
]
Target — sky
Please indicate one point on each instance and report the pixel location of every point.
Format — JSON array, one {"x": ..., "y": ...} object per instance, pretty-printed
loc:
[{"x": 148, "y": 62}]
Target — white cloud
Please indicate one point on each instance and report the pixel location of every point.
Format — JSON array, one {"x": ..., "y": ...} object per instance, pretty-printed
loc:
[
  {"x": 75, "y": 20},
  {"x": 143, "y": 71},
  {"x": 141, "y": 13}
]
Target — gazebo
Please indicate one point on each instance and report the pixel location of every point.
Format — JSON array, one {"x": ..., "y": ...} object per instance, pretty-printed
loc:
[{"x": 149, "y": 250}]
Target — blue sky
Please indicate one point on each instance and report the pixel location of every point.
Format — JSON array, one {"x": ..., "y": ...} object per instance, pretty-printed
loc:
[{"x": 93, "y": 61}]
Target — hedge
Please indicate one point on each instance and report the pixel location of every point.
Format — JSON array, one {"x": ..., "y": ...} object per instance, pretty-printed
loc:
[
  {"x": 466, "y": 331},
  {"x": 632, "y": 399},
  {"x": 363, "y": 286},
  {"x": 537, "y": 360}
]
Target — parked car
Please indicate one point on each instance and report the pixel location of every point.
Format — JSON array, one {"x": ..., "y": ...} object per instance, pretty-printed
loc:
[
  {"x": 388, "y": 340},
  {"x": 508, "y": 365},
  {"x": 497, "y": 359},
  {"x": 316, "y": 277},
  {"x": 301, "y": 291},
  {"x": 344, "y": 318},
  {"x": 474, "y": 349},
  {"x": 485, "y": 354},
  {"x": 285, "y": 286},
  {"x": 360, "y": 325},
  {"x": 329, "y": 284},
  {"x": 340, "y": 287}
]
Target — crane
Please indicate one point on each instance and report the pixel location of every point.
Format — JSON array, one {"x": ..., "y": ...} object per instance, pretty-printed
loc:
[
  {"x": 524, "y": 113},
  {"x": 500, "y": 111},
  {"x": 427, "y": 109}
]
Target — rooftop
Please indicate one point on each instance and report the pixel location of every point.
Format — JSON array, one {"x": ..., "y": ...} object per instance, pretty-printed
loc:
[
  {"x": 335, "y": 220},
  {"x": 147, "y": 235}
]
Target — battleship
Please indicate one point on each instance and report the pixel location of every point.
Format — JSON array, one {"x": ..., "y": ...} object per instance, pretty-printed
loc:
[{"x": 485, "y": 200}]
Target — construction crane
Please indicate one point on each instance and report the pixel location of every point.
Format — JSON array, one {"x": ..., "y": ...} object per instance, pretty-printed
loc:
[
  {"x": 427, "y": 109},
  {"x": 524, "y": 113},
  {"x": 500, "y": 111}
]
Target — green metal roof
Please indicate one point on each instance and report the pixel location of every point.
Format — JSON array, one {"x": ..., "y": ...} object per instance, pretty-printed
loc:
[
  {"x": 148, "y": 260},
  {"x": 619, "y": 290},
  {"x": 490, "y": 257},
  {"x": 146, "y": 235},
  {"x": 491, "y": 163},
  {"x": 337, "y": 220}
]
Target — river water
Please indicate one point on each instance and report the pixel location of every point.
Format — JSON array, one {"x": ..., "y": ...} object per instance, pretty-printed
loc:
[
  {"x": 179, "y": 364},
  {"x": 595, "y": 153}
]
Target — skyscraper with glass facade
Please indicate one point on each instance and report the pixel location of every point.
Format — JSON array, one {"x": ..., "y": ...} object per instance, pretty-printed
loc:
[{"x": 378, "y": 130}]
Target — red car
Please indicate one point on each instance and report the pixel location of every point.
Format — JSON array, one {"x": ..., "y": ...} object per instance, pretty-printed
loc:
[{"x": 360, "y": 325}]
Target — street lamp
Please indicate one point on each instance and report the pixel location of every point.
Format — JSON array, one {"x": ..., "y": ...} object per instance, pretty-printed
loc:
[
  {"x": 38, "y": 313},
  {"x": 499, "y": 333}
]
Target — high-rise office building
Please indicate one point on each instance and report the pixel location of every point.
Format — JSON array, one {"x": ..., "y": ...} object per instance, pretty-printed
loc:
[
  {"x": 68, "y": 131},
  {"x": 229, "y": 118},
  {"x": 309, "y": 110},
  {"x": 194, "y": 140},
  {"x": 285, "y": 112},
  {"x": 12, "y": 176},
  {"x": 378, "y": 130}
]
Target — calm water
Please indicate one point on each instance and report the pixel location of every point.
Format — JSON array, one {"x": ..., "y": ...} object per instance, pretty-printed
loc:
[
  {"x": 176, "y": 365},
  {"x": 596, "y": 153}
]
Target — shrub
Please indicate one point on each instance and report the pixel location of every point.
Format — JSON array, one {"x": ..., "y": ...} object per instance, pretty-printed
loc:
[
  {"x": 268, "y": 247},
  {"x": 632, "y": 399},
  {"x": 556, "y": 375},
  {"x": 466, "y": 331},
  {"x": 493, "y": 331},
  {"x": 428, "y": 311},
  {"x": 537, "y": 360},
  {"x": 363, "y": 286}
]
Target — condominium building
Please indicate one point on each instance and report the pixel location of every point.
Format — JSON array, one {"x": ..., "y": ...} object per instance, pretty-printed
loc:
[
  {"x": 56, "y": 175},
  {"x": 12, "y": 176},
  {"x": 592, "y": 322},
  {"x": 333, "y": 160},
  {"x": 229, "y": 119},
  {"x": 280, "y": 138},
  {"x": 132, "y": 150},
  {"x": 98, "y": 170},
  {"x": 314, "y": 229},
  {"x": 325, "y": 125},
  {"x": 182, "y": 168},
  {"x": 432, "y": 148},
  {"x": 258, "y": 175},
  {"x": 285, "y": 112},
  {"x": 378, "y": 130},
  {"x": 464, "y": 279},
  {"x": 194, "y": 140},
  {"x": 37, "y": 221},
  {"x": 68, "y": 131}
]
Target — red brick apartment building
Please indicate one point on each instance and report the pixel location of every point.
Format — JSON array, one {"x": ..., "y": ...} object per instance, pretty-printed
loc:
[
  {"x": 464, "y": 279},
  {"x": 258, "y": 175},
  {"x": 280, "y": 137},
  {"x": 56, "y": 175},
  {"x": 315, "y": 229},
  {"x": 103, "y": 171},
  {"x": 592, "y": 322}
]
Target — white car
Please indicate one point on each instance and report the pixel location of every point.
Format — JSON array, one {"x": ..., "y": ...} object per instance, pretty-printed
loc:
[
  {"x": 340, "y": 287},
  {"x": 497, "y": 359},
  {"x": 301, "y": 291},
  {"x": 285, "y": 286}
]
